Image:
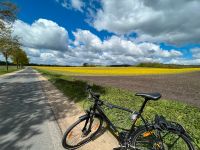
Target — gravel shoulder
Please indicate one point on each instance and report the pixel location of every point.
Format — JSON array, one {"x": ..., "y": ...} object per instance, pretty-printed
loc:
[{"x": 181, "y": 87}]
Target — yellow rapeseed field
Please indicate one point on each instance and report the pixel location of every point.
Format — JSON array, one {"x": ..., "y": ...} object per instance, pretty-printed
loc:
[{"x": 116, "y": 70}]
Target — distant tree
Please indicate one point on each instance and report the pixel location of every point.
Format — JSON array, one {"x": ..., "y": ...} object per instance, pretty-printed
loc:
[
  {"x": 88, "y": 65},
  {"x": 7, "y": 42},
  {"x": 16, "y": 56},
  {"x": 7, "y": 45},
  {"x": 22, "y": 59},
  {"x": 85, "y": 64}
]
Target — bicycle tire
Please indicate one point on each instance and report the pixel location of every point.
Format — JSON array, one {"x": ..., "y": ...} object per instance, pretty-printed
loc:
[
  {"x": 65, "y": 142},
  {"x": 142, "y": 130}
]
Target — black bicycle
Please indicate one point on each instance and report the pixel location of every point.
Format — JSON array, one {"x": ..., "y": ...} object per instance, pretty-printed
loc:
[{"x": 160, "y": 135}]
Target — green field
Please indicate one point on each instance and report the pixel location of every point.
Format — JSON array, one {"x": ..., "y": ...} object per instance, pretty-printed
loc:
[
  {"x": 10, "y": 69},
  {"x": 186, "y": 115}
]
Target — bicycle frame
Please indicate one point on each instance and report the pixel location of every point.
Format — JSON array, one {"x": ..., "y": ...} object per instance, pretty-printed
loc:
[
  {"x": 129, "y": 138},
  {"x": 96, "y": 109},
  {"x": 111, "y": 126}
]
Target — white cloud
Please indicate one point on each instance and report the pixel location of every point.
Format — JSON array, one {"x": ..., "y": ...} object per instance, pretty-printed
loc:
[
  {"x": 72, "y": 4},
  {"x": 195, "y": 60},
  {"x": 31, "y": 52},
  {"x": 44, "y": 41},
  {"x": 1, "y": 57},
  {"x": 65, "y": 4},
  {"x": 89, "y": 48},
  {"x": 77, "y": 4},
  {"x": 116, "y": 50},
  {"x": 195, "y": 53},
  {"x": 151, "y": 49},
  {"x": 86, "y": 38},
  {"x": 42, "y": 34},
  {"x": 46, "y": 56},
  {"x": 183, "y": 61},
  {"x": 172, "y": 21}
]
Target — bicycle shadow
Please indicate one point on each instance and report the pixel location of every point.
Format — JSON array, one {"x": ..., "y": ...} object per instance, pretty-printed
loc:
[
  {"x": 100, "y": 133},
  {"x": 75, "y": 89}
]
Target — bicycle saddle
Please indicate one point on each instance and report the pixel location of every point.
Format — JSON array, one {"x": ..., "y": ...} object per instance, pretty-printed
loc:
[{"x": 149, "y": 96}]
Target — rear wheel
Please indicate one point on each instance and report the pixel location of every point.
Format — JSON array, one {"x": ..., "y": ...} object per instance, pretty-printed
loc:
[
  {"x": 160, "y": 140},
  {"x": 78, "y": 133}
]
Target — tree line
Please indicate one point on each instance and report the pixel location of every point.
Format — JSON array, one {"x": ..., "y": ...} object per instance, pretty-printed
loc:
[{"x": 10, "y": 47}]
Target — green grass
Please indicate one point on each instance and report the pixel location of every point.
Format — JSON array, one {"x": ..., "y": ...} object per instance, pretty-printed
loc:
[
  {"x": 10, "y": 69},
  {"x": 186, "y": 115}
]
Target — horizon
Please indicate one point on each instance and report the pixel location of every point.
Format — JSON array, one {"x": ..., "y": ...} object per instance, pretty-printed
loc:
[{"x": 109, "y": 32}]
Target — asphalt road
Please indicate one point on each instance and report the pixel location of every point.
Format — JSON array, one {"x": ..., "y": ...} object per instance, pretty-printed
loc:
[{"x": 26, "y": 119}]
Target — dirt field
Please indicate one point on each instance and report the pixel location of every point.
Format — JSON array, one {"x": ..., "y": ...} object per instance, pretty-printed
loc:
[{"x": 182, "y": 87}]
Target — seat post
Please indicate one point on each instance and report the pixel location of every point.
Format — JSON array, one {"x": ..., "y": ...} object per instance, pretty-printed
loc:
[{"x": 143, "y": 105}]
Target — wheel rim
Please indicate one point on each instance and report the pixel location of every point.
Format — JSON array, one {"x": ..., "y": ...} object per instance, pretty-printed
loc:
[
  {"x": 146, "y": 141},
  {"x": 165, "y": 140},
  {"x": 76, "y": 136},
  {"x": 174, "y": 141}
]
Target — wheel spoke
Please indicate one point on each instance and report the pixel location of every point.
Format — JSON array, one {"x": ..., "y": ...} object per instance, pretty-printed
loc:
[
  {"x": 76, "y": 136},
  {"x": 160, "y": 140}
]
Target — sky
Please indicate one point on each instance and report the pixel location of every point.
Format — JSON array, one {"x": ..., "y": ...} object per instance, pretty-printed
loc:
[{"x": 105, "y": 32}]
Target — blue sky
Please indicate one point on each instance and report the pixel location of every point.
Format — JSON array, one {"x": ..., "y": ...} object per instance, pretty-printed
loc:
[
  {"x": 32, "y": 10},
  {"x": 109, "y": 31}
]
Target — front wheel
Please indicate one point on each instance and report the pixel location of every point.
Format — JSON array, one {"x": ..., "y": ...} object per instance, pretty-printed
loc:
[
  {"x": 153, "y": 139},
  {"x": 81, "y": 133}
]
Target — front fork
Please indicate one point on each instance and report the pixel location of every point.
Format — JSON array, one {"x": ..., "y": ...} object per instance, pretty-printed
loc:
[{"x": 90, "y": 118}]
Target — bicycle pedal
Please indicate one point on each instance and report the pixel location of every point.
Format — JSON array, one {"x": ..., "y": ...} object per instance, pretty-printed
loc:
[{"x": 119, "y": 148}]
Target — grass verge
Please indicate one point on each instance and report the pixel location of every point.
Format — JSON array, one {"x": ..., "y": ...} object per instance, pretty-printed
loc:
[
  {"x": 186, "y": 115},
  {"x": 10, "y": 69}
]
